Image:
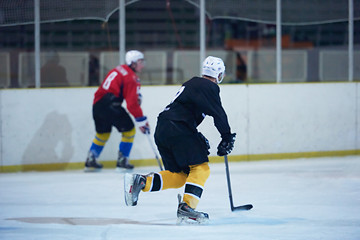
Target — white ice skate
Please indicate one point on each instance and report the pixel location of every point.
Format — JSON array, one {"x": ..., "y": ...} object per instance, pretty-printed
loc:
[
  {"x": 133, "y": 184},
  {"x": 186, "y": 214}
]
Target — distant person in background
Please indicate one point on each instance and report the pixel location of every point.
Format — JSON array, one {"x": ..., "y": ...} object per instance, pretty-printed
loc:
[
  {"x": 241, "y": 69},
  {"x": 52, "y": 73},
  {"x": 94, "y": 67},
  {"x": 121, "y": 83}
]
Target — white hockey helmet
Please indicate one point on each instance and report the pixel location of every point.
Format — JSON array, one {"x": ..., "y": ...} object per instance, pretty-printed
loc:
[
  {"x": 214, "y": 67},
  {"x": 133, "y": 56}
]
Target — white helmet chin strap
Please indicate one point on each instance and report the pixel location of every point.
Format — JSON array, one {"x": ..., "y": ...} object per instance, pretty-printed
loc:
[{"x": 220, "y": 77}]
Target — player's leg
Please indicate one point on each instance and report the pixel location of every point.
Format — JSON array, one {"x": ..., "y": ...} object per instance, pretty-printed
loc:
[
  {"x": 103, "y": 130},
  {"x": 164, "y": 180},
  {"x": 172, "y": 177},
  {"x": 153, "y": 182},
  {"x": 193, "y": 190},
  {"x": 195, "y": 157},
  {"x": 123, "y": 123},
  {"x": 195, "y": 183},
  {"x": 95, "y": 151},
  {"x": 135, "y": 183},
  {"x": 125, "y": 147}
]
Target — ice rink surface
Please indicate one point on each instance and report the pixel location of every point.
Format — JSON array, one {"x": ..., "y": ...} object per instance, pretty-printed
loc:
[{"x": 315, "y": 198}]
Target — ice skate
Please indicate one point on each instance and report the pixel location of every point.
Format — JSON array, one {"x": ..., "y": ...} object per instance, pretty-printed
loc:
[
  {"x": 186, "y": 214},
  {"x": 91, "y": 165},
  {"x": 133, "y": 184},
  {"x": 123, "y": 163}
]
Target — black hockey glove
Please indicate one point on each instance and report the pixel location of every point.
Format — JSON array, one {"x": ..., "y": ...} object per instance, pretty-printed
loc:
[{"x": 226, "y": 145}]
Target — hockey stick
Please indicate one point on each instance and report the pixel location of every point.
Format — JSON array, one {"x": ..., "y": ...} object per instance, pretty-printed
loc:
[
  {"x": 156, "y": 156},
  {"x": 238, "y": 208}
]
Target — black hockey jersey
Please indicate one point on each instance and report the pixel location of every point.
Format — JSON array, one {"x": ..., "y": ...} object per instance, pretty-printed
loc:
[{"x": 197, "y": 98}]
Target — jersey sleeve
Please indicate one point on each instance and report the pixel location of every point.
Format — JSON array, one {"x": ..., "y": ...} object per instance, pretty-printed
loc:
[
  {"x": 209, "y": 102},
  {"x": 130, "y": 91}
]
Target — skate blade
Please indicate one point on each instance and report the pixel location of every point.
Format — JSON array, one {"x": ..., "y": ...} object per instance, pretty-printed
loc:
[
  {"x": 123, "y": 170},
  {"x": 128, "y": 183},
  {"x": 91, "y": 169},
  {"x": 191, "y": 221}
]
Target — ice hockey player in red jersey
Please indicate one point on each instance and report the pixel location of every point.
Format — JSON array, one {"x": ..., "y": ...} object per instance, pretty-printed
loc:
[
  {"x": 183, "y": 149},
  {"x": 120, "y": 84}
]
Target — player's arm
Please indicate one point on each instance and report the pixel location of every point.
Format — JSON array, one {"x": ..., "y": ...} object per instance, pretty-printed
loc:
[
  {"x": 210, "y": 102},
  {"x": 131, "y": 96}
]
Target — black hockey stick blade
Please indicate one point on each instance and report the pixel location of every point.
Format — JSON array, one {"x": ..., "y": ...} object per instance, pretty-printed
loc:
[{"x": 242, "y": 208}]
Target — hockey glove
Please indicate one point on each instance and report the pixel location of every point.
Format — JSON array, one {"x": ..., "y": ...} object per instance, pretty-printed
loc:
[
  {"x": 226, "y": 145},
  {"x": 205, "y": 141},
  {"x": 143, "y": 124}
]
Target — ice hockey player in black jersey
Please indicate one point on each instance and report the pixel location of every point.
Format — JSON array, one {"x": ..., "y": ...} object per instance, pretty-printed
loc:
[{"x": 183, "y": 149}]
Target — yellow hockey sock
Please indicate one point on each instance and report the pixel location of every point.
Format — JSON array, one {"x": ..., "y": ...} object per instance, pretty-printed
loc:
[
  {"x": 164, "y": 180},
  {"x": 195, "y": 183}
]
